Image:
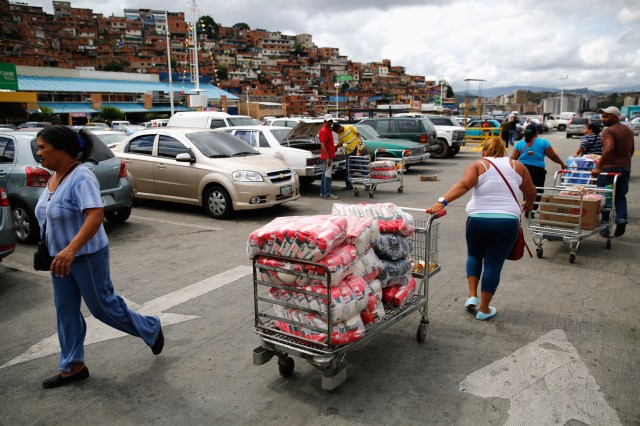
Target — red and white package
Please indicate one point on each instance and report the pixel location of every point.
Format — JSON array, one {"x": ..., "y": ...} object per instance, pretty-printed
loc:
[
  {"x": 362, "y": 232},
  {"x": 348, "y": 331},
  {"x": 367, "y": 266},
  {"x": 298, "y": 237},
  {"x": 340, "y": 261},
  {"x": 374, "y": 312},
  {"x": 360, "y": 290},
  {"x": 343, "y": 332},
  {"x": 391, "y": 219},
  {"x": 398, "y": 295},
  {"x": 376, "y": 287}
]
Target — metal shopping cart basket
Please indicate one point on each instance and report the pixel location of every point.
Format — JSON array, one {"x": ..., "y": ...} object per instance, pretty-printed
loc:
[
  {"x": 323, "y": 354},
  {"x": 566, "y": 212},
  {"x": 361, "y": 173}
]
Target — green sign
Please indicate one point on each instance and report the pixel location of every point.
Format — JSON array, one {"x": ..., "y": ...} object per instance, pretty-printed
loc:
[
  {"x": 8, "y": 77},
  {"x": 437, "y": 100},
  {"x": 344, "y": 77}
]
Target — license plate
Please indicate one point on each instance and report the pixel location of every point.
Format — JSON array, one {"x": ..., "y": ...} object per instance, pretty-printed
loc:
[{"x": 285, "y": 190}]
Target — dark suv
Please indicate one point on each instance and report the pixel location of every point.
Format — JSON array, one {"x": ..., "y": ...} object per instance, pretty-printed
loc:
[
  {"x": 576, "y": 125},
  {"x": 417, "y": 129}
]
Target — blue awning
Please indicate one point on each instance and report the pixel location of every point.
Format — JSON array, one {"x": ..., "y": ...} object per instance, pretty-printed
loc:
[
  {"x": 88, "y": 85},
  {"x": 69, "y": 107}
]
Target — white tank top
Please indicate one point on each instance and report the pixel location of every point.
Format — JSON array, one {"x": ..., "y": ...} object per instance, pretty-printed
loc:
[{"x": 491, "y": 194}]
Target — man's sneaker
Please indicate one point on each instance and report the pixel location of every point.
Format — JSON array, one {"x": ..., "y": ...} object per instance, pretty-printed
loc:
[
  {"x": 620, "y": 228},
  {"x": 331, "y": 197}
]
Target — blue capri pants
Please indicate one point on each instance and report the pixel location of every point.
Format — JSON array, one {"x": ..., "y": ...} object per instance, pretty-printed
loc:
[
  {"x": 90, "y": 280},
  {"x": 489, "y": 241}
]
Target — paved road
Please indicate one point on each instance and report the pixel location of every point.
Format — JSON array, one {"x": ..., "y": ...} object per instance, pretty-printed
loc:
[{"x": 563, "y": 348}]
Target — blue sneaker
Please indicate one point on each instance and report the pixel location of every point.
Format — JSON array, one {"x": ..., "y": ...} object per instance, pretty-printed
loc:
[
  {"x": 471, "y": 302},
  {"x": 482, "y": 316}
]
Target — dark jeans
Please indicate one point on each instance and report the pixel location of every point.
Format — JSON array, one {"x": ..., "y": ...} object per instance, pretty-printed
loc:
[
  {"x": 325, "y": 180},
  {"x": 622, "y": 187},
  {"x": 347, "y": 175},
  {"x": 538, "y": 175}
]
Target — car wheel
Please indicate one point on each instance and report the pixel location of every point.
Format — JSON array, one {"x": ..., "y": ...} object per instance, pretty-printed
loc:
[
  {"x": 118, "y": 216},
  {"x": 568, "y": 136},
  {"x": 562, "y": 127},
  {"x": 442, "y": 151},
  {"x": 27, "y": 228},
  {"x": 454, "y": 151},
  {"x": 217, "y": 202}
]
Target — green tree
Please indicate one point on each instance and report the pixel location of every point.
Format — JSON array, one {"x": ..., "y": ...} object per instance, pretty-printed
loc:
[
  {"x": 113, "y": 66},
  {"x": 208, "y": 27},
  {"x": 46, "y": 113},
  {"x": 241, "y": 26},
  {"x": 108, "y": 114}
]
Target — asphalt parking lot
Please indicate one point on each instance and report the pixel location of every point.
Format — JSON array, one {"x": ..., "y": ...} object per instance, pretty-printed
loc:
[{"x": 563, "y": 348}]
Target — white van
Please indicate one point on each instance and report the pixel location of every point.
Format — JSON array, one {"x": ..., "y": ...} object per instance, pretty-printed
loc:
[
  {"x": 116, "y": 123},
  {"x": 209, "y": 120}
]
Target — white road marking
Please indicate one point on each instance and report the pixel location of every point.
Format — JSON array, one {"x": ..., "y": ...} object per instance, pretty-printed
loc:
[
  {"x": 23, "y": 268},
  {"x": 546, "y": 383},
  {"x": 99, "y": 332},
  {"x": 169, "y": 222}
]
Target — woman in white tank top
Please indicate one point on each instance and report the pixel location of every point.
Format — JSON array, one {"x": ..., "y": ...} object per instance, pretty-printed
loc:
[{"x": 493, "y": 218}]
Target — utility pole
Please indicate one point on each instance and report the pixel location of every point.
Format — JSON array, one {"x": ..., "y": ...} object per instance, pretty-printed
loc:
[
  {"x": 562, "y": 77},
  {"x": 166, "y": 20}
]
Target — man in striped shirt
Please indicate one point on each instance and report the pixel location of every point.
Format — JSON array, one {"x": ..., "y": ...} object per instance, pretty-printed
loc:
[
  {"x": 348, "y": 137},
  {"x": 591, "y": 142}
]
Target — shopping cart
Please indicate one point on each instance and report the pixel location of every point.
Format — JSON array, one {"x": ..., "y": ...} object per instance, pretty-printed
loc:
[
  {"x": 360, "y": 173},
  {"x": 324, "y": 355},
  {"x": 566, "y": 214}
]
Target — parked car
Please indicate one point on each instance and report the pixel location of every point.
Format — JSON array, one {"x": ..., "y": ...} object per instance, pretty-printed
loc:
[
  {"x": 379, "y": 147},
  {"x": 475, "y": 129},
  {"x": 209, "y": 120},
  {"x": 128, "y": 129},
  {"x": 8, "y": 127},
  {"x": 576, "y": 125},
  {"x": 33, "y": 124},
  {"x": 556, "y": 122},
  {"x": 7, "y": 230},
  {"x": 451, "y": 136},
  {"x": 282, "y": 122},
  {"x": 110, "y": 138},
  {"x": 96, "y": 126},
  {"x": 416, "y": 129},
  {"x": 158, "y": 122},
  {"x": 634, "y": 125},
  {"x": 24, "y": 179},
  {"x": 298, "y": 147},
  {"x": 205, "y": 167}
]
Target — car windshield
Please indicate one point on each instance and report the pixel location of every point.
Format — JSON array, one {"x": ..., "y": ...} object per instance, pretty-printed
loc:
[
  {"x": 368, "y": 133},
  {"x": 220, "y": 144},
  {"x": 279, "y": 134},
  {"x": 241, "y": 121},
  {"x": 441, "y": 121}
]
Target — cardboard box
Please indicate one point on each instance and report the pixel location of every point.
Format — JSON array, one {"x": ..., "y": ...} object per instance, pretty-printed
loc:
[{"x": 571, "y": 206}]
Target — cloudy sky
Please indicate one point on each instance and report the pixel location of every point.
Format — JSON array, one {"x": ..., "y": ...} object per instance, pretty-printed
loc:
[{"x": 596, "y": 44}]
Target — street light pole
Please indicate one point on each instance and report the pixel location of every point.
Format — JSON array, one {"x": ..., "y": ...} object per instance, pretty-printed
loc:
[
  {"x": 337, "y": 85},
  {"x": 166, "y": 22},
  {"x": 562, "y": 77},
  {"x": 248, "y": 101}
]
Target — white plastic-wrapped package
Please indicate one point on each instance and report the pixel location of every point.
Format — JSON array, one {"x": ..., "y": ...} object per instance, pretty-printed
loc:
[
  {"x": 367, "y": 266},
  {"x": 298, "y": 237},
  {"x": 362, "y": 232},
  {"x": 374, "y": 312},
  {"x": 340, "y": 261},
  {"x": 383, "y": 170},
  {"x": 376, "y": 287},
  {"x": 360, "y": 290},
  {"x": 393, "y": 246},
  {"x": 391, "y": 219},
  {"x": 394, "y": 272},
  {"x": 343, "y": 332},
  {"x": 398, "y": 295}
]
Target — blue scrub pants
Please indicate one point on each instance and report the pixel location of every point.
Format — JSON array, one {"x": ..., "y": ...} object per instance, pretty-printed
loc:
[
  {"x": 489, "y": 241},
  {"x": 89, "y": 280}
]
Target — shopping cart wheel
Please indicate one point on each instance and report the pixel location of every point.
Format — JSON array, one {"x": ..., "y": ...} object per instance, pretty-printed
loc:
[
  {"x": 356, "y": 192},
  {"x": 371, "y": 194},
  {"x": 400, "y": 189},
  {"x": 608, "y": 243},
  {"x": 572, "y": 258},
  {"x": 286, "y": 366},
  {"x": 421, "y": 334},
  {"x": 539, "y": 253}
]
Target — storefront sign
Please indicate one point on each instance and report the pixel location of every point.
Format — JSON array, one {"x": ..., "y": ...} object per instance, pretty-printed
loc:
[{"x": 8, "y": 77}]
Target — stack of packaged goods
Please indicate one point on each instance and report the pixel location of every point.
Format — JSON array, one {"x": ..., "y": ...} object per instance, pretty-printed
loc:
[
  {"x": 384, "y": 169},
  {"x": 342, "y": 245},
  {"x": 393, "y": 247}
]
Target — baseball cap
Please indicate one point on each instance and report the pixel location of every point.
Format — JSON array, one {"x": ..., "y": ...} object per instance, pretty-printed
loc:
[
  {"x": 328, "y": 117},
  {"x": 610, "y": 110}
]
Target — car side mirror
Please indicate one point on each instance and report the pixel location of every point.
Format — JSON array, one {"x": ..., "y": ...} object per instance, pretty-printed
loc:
[{"x": 185, "y": 158}]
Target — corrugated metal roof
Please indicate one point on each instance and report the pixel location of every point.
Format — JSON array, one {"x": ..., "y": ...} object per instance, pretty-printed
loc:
[
  {"x": 71, "y": 107},
  {"x": 86, "y": 85}
]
